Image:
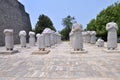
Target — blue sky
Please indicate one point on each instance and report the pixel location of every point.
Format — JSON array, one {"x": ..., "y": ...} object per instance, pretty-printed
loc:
[{"x": 56, "y": 10}]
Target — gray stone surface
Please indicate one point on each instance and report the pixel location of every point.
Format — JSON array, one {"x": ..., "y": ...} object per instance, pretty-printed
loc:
[
  {"x": 13, "y": 16},
  {"x": 59, "y": 64}
]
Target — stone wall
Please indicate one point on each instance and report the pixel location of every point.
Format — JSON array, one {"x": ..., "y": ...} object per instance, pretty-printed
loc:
[{"x": 13, "y": 16}]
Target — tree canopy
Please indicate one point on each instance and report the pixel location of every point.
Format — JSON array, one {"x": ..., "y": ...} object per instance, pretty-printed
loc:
[
  {"x": 42, "y": 23},
  {"x": 67, "y": 23},
  {"x": 110, "y": 14}
]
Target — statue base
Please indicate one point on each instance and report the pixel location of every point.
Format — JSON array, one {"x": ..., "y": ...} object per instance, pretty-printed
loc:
[
  {"x": 112, "y": 51},
  {"x": 41, "y": 52},
  {"x": 9, "y": 52},
  {"x": 78, "y": 52}
]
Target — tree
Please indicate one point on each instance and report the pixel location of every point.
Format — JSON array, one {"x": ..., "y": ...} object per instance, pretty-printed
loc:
[
  {"x": 67, "y": 23},
  {"x": 42, "y": 23},
  {"x": 111, "y": 13}
]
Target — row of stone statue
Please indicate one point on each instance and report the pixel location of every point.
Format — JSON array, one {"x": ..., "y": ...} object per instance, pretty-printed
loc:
[
  {"x": 78, "y": 36},
  {"x": 48, "y": 38}
]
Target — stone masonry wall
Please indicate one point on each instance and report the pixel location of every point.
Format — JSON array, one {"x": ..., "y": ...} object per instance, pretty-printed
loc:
[{"x": 13, "y": 16}]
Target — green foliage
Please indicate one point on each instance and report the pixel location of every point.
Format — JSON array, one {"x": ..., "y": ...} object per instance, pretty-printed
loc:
[
  {"x": 111, "y": 13},
  {"x": 42, "y": 23},
  {"x": 67, "y": 23}
]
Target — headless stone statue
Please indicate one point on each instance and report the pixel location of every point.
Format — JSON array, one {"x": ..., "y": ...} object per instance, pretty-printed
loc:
[
  {"x": 58, "y": 37},
  {"x": 112, "y": 28},
  {"x": 71, "y": 38},
  {"x": 32, "y": 38},
  {"x": 85, "y": 37},
  {"x": 52, "y": 38},
  {"x": 88, "y": 37},
  {"x": 37, "y": 36},
  {"x": 77, "y": 37},
  {"x": 93, "y": 37},
  {"x": 41, "y": 42},
  {"x": 47, "y": 32},
  {"x": 22, "y": 35},
  {"x": 9, "y": 39}
]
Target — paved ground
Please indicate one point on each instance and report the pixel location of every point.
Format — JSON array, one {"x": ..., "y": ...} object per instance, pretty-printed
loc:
[{"x": 59, "y": 64}]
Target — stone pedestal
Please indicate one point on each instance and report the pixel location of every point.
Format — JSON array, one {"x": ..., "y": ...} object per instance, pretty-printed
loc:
[
  {"x": 8, "y": 52},
  {"x": 112, "y": 51},
  {"x": 78, "y": 52},
  {"x": 41, "y": 52}
]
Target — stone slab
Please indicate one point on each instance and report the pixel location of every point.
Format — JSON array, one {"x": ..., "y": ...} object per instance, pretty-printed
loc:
[
  {"x": 41, "y": 52},
  {"x": 9, "y": 52},
  {"x": 111, "y": 51},
  {"x": 78, "y": 52}
]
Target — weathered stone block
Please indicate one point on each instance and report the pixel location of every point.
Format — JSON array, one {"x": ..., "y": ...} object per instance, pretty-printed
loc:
[{"x": 41, "y": 52}]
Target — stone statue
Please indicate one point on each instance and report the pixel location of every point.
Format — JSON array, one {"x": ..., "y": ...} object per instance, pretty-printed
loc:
[
  {"x": 55, "y": 37},
  {"x": 22, "y": 35},
  {"x": 9, "y": 43},
  {"x": 32, "y": 38},
  {"x": 93, "y": 37},
  {"x": 37, "y": 36},
  {"x": 88, "y": 37},
  {"x": 58, "y": 37},
  {"x": 77, "y": 37},
  {"x": 47, "y": 32},
  {"x": 52, "y": 38},
  {"x": 85, "y": 37},
  {"x": 112, "y": 28},
  {"x": 71, "y": 38},
  {"x": 41, "y": 42}
]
